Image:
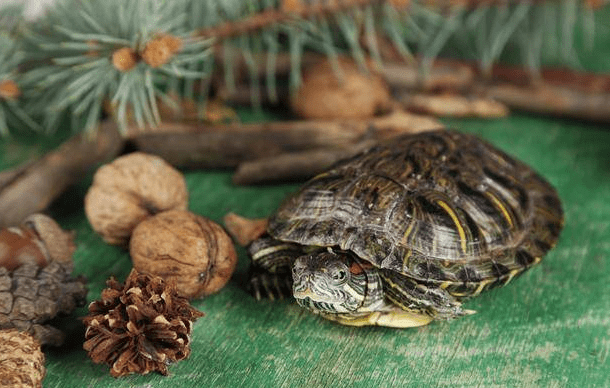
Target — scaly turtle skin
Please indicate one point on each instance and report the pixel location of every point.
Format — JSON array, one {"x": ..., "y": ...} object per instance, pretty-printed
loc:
[{"x": 402, "y": 233}]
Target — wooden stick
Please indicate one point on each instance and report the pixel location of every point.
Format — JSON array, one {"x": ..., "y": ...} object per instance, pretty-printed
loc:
[
  {"x": 32, "y": 186},
  {"x": 554, "y": 100},
  {"x": 295, "y": 166},
  {"x": 194, "y": 145},
  {"x": 302, "y": 165}
]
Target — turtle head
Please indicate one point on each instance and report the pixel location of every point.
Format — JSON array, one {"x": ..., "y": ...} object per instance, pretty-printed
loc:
[{"x": 329, "y": 282}]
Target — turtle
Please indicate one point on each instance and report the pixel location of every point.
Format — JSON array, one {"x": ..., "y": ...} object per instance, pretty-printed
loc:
[{"x": 404, "y": 232}]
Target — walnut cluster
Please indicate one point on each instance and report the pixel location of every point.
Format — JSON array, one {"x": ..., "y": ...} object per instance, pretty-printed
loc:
[
  {"x": 141, "y": 326},
  {"x": 21, "y": 360},
  {"x": 130, "y": 189}
]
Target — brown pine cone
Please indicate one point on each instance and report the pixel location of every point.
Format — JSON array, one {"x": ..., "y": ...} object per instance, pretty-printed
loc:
[
  {"x": 139, "y": 327},
  {"x": 21, "y": 360},
  {"x": 30, "y": 296}
]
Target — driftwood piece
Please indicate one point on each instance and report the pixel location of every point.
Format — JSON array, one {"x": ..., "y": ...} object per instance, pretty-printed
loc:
[
  {"x": 554, "y": 100},
  {"x": 32, "y": 186},
  {"x": 194, "y": 145},
  {"x": 305, "y": 164},
  {"x": 559, "y": 92},
  {"x": 454, "y": 105},
  {"x": 293, "y": 166}
]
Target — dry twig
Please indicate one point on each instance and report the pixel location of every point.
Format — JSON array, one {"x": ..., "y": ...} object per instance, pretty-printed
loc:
[
  {"x": 226, "y": 146},
  {"x": 31, "y": 187}
]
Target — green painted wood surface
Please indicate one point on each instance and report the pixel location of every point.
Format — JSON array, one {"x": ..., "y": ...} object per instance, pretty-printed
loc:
[{"x": 549, "y": 328}]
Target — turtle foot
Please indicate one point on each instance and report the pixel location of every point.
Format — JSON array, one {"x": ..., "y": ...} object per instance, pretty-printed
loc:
[{"x": 264, "y": 285}]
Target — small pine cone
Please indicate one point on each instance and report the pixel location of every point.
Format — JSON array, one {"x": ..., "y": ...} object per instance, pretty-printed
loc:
[
  {"x": 21, "y": 360},
  {"x": 124, "y": 59},
  {"x": 31, "y": 296},
  {"x": 160, "y": 50},
  {"x": 9, "y": 90},
  {"x": 139, "y": 327}
]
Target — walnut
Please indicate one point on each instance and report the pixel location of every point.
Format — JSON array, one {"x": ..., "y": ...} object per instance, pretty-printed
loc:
[
  {"x": 326, "y": 94},
  {"x": 130, "y": 189},
  {"x": 141, "y": 326},
  {"x": 21, "y": 360},
  {"x": 180, "y": 246}
]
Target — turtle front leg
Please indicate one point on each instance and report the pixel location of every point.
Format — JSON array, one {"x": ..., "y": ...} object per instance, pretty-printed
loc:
[
  {"x": 271, "y": 269},
  {"x": 396, "y": 318}
]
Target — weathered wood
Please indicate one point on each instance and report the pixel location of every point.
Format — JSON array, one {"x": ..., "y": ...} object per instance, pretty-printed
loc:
[
  {"x": 554, "y": 100},
  {"x": 32, "y": 186},
  {"x": 195, "y": 145},
  {"x": 294, "y": 166}
]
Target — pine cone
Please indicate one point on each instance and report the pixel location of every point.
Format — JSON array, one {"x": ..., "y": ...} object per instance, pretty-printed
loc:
[
  {"x": 31, "y": 295},
  {"x": 21, "y": 360},
  {"x": 139, "y": 327}
]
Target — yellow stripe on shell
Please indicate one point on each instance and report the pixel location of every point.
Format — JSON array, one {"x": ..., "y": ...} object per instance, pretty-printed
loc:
[
  {"x": 405, "y": 237},
  {"x": 456, "y": 221},
  {"x": 502, "y": 208}
]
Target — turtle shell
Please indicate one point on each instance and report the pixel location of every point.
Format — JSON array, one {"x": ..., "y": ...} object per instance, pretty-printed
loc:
[{"x": 440, "y": 207}]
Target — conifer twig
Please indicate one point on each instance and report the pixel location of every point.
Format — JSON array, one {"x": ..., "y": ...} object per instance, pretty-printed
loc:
[{"x": 270, "y": 17}]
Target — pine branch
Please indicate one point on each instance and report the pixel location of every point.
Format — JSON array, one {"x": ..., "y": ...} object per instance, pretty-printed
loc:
[
  {"x": 31, "y": 187},
  {"x": 122, "y": 52},
  {"x": 11, "y": 112},
  {"x": 129, "y": 54}
]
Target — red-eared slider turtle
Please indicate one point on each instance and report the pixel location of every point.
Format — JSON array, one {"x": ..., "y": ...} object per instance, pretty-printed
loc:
[{"x": 403, "y": 232}]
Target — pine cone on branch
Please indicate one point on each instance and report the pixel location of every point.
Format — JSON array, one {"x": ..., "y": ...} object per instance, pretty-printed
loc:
[
  {"x": 140, "y": 326},
  {"x": 32, "y": 295}
]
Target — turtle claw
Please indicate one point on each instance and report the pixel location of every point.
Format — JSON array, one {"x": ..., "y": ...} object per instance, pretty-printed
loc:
[{"x": 264, "y": 285}]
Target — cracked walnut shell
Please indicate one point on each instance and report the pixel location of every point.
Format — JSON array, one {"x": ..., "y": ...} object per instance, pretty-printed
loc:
[
  {"x": 185, "y": 248},
  {"x": 129, "y": 190}
]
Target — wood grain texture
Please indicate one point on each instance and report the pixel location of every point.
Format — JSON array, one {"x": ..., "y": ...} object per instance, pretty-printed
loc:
[{"x": 549, "y": 328}]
